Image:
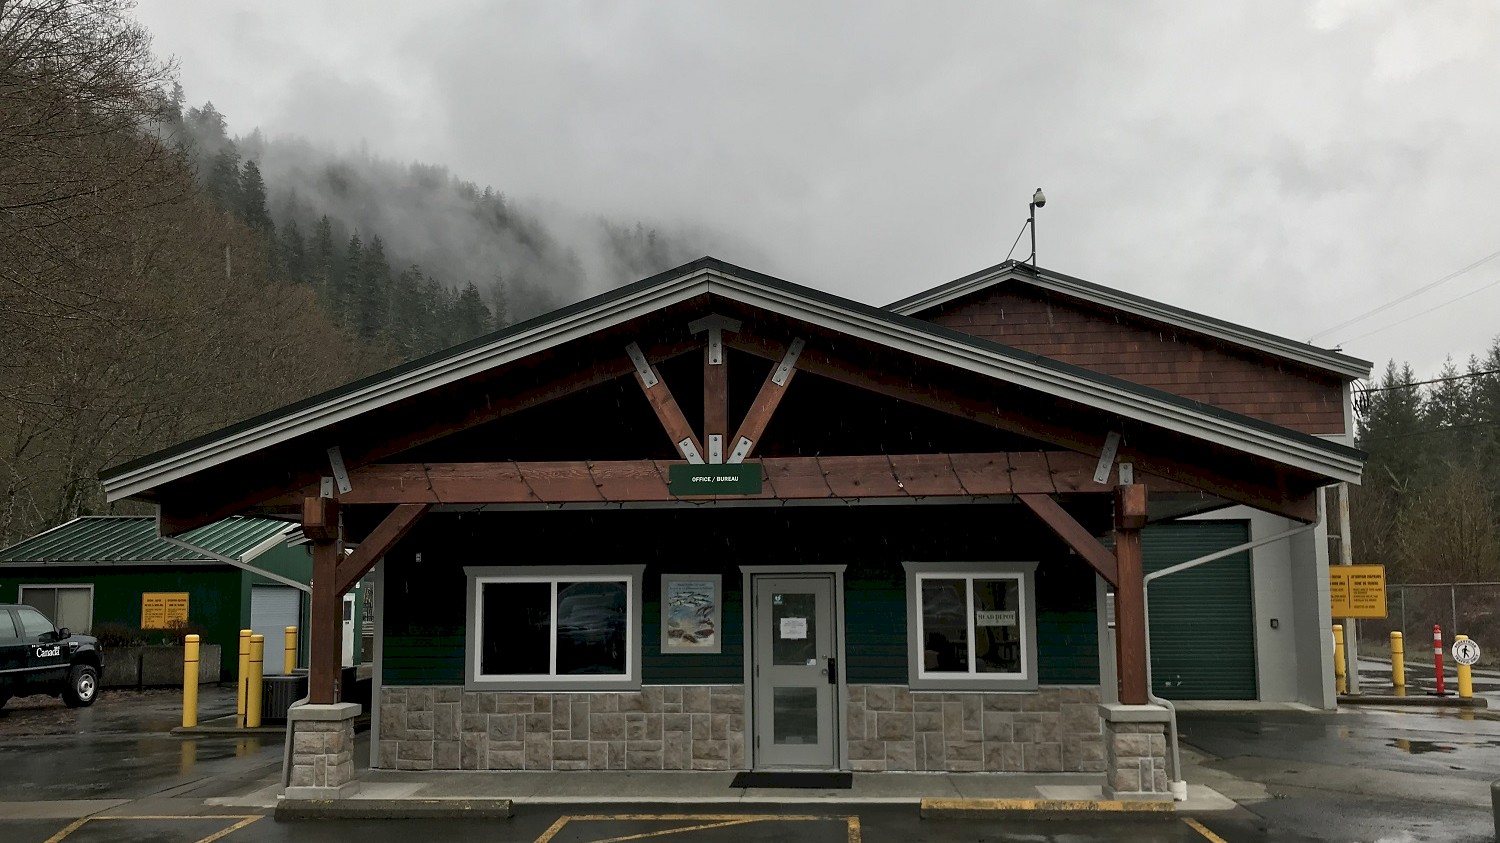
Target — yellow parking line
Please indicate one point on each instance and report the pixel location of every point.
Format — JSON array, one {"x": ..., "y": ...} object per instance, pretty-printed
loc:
[
  {"x": 707, "y": 821},
  {"x": 666, "y": 831},
  {"x": 1201, "y": 829},
  {"x": 244, "y": 820}
]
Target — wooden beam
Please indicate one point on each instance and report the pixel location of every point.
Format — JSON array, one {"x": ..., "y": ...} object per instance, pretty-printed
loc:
[
  {"x": 684, "y": 441},
  {"x": 326, "y": 627},
  {"x": 747, "y": 438},
  {"x": 783, "y": 478},
  {"x": 285, "y": 475},
  {"x": 1154, "y": 453},
  {"x": 1073, "y": 534},
  {"x": 1130, "y": 595},
  {"x": 380, "y": 540},
  {"x": 716, "y": 409}
]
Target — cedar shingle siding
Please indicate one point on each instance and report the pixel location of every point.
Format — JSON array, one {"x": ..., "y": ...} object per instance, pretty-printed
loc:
[{"x": 1166, "y": 358}]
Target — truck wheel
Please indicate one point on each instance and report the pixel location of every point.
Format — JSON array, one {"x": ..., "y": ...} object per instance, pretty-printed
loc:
[{"x": 82, "y": 687}]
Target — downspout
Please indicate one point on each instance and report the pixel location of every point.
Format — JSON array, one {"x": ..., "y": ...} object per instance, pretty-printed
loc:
[
  {"x": 1178, "y": 785},
  {"x": 286, "y": 750}
]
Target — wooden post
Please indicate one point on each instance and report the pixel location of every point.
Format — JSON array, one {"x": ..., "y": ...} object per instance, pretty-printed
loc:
[
  {"x": 320, "y": 523},
  {"x": 1130, "y": 594}
]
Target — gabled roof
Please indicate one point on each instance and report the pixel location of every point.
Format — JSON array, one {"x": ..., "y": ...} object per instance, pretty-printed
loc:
[
  {"x": 708, "y": 276},
  {"x": 1155, "y": 311},
  {"x": 96, "y": 539}
]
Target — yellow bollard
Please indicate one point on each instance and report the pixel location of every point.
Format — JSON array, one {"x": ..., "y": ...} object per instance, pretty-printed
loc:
[
  {"x": 190, "y": 682},
  {"x": 254, "y": 682},
  {"x": 289, "y": 654},
  {"x": 1398, "y": 660},
  {"x": 239, "y": 706},
  {"x": 1465, "y": 676},
  {"x": 1340, "y": 680}
]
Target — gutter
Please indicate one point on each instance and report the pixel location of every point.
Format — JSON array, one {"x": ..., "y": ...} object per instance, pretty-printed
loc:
[{"x": 1178, "y": 786}]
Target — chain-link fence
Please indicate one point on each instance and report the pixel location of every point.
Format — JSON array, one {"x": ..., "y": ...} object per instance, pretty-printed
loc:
[{"x": 1467, "y": 608}]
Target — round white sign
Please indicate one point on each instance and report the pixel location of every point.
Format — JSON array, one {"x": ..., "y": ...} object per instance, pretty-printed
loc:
[{"x": 1465, "y": 651}]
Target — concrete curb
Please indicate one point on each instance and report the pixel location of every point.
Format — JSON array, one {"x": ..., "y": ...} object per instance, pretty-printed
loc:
[
  {"x": 1038, "y": 809},
  {"x": 1422, "y": 699},
  {"x": 392, "y": 809}
]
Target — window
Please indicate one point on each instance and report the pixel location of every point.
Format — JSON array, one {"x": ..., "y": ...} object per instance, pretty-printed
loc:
[
  {"x": 8, "y": 631},
  {"x": 554, "y": 628},
  {"x": 971, "y": 625},
  {"x": 33, "y": 624},
  {"x": 70, "y": 606}
]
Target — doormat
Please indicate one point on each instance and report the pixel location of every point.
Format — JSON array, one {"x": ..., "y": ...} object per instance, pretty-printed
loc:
[{"x": 819, "y": 781}]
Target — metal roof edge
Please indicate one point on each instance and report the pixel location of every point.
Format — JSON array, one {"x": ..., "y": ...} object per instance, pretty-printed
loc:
[
  {"x": 1304, "y": 353},
  {"x": 53, "y": 529}
]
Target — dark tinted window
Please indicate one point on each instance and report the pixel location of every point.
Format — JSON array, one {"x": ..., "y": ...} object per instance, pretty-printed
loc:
[
  {"x": 7, "y": 626},
  {"x": 33, "y": 623}
]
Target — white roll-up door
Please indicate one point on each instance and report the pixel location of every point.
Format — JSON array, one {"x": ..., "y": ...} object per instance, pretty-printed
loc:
[{"x": 273, "y": 608}]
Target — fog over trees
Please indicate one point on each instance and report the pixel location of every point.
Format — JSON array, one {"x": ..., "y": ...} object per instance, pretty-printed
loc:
[{"x": 160, "y": 279}]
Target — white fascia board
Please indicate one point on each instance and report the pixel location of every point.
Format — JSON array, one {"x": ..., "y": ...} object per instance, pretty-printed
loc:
[
  {"x": 269, "y": 543},
  {"x": 1067, "y": 385},
  {"x": 438, "y": 373},
  {"x": 1187, "y": 321}
]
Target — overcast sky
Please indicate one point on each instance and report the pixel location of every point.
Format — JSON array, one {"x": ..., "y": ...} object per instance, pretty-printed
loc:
[{"x": 1285, "y": 165}]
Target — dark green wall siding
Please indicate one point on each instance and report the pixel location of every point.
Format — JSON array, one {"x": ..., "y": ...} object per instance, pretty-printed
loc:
[
  {"x": 215, "y": 596},
  {"x": 424, "y": 600}
]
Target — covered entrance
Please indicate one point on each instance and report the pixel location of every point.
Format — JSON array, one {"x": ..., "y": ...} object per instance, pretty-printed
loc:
[
  {"x": 795, "y": 648},
  {"x": 609, "y": 484}
]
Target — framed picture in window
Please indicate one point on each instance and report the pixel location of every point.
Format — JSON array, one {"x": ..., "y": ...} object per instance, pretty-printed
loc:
[{"x": 691, "y": 613}]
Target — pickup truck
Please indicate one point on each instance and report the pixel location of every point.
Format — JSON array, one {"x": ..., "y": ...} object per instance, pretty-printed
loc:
[{"x": 38, "y": 658}]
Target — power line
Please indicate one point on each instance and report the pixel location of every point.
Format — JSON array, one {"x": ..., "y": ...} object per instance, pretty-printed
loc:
[
  {"x": 1425, "y": 312},
  {"x": 1434, "y": 380},
  {"x": 1428, "y": 432},
  {"x": 1390, "y": 304}
]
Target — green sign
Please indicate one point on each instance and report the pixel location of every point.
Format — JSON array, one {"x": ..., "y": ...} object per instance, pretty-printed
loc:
[{"x": 694, "y": 480}]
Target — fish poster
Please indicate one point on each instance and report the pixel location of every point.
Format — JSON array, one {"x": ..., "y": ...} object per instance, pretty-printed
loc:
[{"x": 690, "y": 614}]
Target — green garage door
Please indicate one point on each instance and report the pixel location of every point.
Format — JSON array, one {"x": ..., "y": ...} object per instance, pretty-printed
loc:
[{"x": 1202, "y": 619}]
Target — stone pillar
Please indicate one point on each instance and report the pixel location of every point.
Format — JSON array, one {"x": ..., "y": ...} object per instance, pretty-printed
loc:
[
  {"x": 322, "y": 751},
  {"x": 1135, "y": 752}
]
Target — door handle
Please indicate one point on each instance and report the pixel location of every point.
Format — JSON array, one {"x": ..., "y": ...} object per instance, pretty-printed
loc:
[{"x": 832, "y": 671}]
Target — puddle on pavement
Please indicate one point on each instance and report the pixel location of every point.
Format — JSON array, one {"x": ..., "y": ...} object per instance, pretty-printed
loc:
[{"x": 1420, "y": 747}]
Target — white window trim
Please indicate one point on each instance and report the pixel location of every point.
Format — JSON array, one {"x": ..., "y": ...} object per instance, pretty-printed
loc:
[
  {"x": 474, "y": 680},
  {"x": 919, "y": 678},
  {"x": 21, "y": 592}
]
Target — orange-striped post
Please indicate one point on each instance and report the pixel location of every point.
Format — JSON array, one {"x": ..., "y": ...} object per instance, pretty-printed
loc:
[{"x": 1437, "y": 657}]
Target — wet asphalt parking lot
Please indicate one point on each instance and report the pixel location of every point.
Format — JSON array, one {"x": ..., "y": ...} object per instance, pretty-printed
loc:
[{"x": 1356, "y": 775}]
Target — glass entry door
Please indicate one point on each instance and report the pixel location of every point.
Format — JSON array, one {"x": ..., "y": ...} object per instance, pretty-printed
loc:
[{"x": 795, "y": 674}]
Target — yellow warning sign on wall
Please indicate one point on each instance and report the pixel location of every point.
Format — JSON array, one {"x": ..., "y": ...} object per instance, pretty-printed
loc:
[
  {"x": 1357, "y": 591},
  {"x": 163, "y": 609}
]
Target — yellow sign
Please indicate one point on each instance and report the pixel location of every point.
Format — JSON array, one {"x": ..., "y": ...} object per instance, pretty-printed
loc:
[
  {"x": 163, "y": 609},
  {"x": 1357, "y": 591}
]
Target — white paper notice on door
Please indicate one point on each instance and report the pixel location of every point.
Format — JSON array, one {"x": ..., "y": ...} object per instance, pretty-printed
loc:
[
  {"x": 1006, "y": 617},
  {"x": 793, "y": 628}
]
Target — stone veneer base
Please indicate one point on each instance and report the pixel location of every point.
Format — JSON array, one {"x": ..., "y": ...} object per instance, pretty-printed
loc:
[
  {"x": 675, "y": 727},
  {"x": 1135, "y": 744},
  {"x": 322, "y": 751}
]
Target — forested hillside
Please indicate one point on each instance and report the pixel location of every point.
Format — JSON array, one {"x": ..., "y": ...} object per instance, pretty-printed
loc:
[
  {"x": 1429, "y": 508},
  {"x": 159, "y": 279}
]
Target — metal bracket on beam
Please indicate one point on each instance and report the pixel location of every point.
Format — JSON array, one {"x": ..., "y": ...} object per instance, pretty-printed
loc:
[
  {"x": 716, "y": 325},
  {"x": 642, "y": 367},
  {"x": 715, "y": 448},
  {"x": 741, "y": 451},
  {"x": 690, "y": 452},
  {"x": 788, "y": 362},
  {"x": 340, "y": 474},
  {"x": 1107, "y": 457}
]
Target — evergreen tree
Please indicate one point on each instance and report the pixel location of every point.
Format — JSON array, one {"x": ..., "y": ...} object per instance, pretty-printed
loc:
[
  {"x": 295, "y": 261},
  {"x": 436, "y": 308},
  {"x": 407, "y": 323},
  {"x": 321, "y": 262},
  {"x": 499, "y": 301},
  {"x": 223, "y": 182},
  {"x": 252, "y": 196},
  {"x": 371, "y": 296},
  {"x": 347, "y": 285},
  {"x": 470, "y": 317}
]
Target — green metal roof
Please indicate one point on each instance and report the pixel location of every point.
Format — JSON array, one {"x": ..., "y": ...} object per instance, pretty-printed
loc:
[{"x": 96, "y": 538}]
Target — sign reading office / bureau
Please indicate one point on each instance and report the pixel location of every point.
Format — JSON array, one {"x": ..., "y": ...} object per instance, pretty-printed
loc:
[{"x": 694, "y": 480}]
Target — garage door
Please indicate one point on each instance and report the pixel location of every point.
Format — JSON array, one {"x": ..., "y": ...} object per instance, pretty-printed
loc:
[
  {"x": 273, "y": 608},
  {"x": 1202, "y": 619}
]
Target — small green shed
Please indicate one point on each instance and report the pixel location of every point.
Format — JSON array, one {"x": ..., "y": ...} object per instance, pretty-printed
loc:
[{"x": 97, "y": 570}]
